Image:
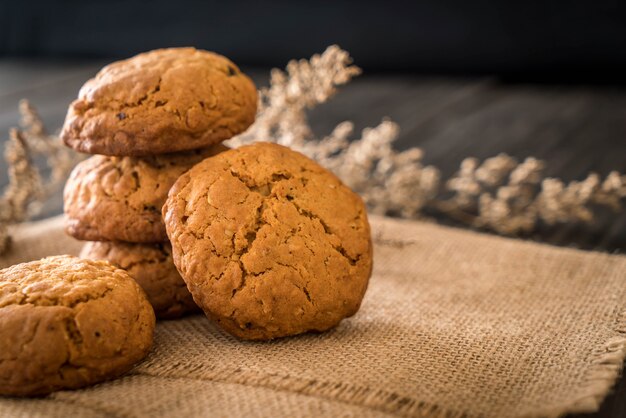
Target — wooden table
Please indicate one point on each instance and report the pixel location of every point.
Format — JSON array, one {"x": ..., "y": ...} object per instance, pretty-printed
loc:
[{"x": 574, "y": 129}]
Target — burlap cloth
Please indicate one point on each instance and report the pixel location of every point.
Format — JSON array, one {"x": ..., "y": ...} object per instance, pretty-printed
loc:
[{"x": 454, "y": 324}]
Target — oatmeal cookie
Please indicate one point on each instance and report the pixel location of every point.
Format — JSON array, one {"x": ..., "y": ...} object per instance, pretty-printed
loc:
[
  {"x": 162, "y": 101},
  {"x": 269, "y": 243},
  {"x": 66, "y": 323}
]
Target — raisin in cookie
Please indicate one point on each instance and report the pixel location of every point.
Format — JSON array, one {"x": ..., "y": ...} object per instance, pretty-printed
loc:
[
  {"x": 120, "y": 198},
  {"x": 152, "y": 267},
  {"x": 269, "y": 243},
  {"x": 162, "y": 101},
  {"x": 66, "y": 323}
]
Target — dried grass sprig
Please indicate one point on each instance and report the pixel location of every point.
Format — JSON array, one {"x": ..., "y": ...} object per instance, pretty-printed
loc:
[
  {"x": 282, "y": 107},
  {"x": 28, "y": 190},
  {"x": 499, "y": 194}
]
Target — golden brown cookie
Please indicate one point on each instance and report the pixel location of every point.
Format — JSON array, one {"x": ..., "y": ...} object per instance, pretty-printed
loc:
[
  {"x": 120, "y": 198},
  {"x": 269, "y": 243},
  {"x": 152, "y": 267},
  {"x": 66, "y": 323},
  {"x": 162, "y": 101}
]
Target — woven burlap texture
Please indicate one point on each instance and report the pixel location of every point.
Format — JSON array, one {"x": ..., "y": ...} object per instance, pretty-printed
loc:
[{"x": 454, "y": 323}]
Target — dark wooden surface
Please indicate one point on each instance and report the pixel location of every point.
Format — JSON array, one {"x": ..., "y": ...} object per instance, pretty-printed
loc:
[{"x": 574, "y": 129}]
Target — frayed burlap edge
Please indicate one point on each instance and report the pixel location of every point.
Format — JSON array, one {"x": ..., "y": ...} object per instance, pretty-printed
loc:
[{"x": 607, "y": 363}]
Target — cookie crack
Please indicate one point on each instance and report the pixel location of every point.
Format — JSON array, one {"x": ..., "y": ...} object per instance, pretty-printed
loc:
[
  {"x": 30, "y": 340},
  {"x": 339, "y": 248},
  {"x": 303, "y": 288},
  {"x": 195, "y": 234},
  {"x": 264, "y": 189},
  {"x": 75, "y": 339},
  {"x": 245, "y": 180},
  {"x": 251, "y": 236},
  {"x": 139, "y": 102},
  {"x": 72, "y": 332},
  {"x": 89, "y": 298},
  {"x": 47, "y": 301},
  {"x": 136, "y": 179}
]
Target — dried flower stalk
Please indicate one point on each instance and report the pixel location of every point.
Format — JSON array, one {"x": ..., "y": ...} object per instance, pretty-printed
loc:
[
  {"x": 28, "y": 190},
  {"x": 500, "y": 194}
]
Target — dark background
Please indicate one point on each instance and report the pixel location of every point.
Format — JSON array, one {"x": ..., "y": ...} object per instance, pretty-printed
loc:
[{"x": 562, "y": 41}]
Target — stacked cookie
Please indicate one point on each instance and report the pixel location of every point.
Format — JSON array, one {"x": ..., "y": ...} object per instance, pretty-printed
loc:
[{"x": 151, "y": 118}]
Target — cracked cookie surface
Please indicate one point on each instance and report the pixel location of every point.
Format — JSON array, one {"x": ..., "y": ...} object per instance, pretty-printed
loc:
[
  {"x": 151, "y": 265},
  {"x": 120, "y": 198},
  {"x": 269, "y": 243},
  {"x": 66, "y": 323},
  {"x": 162, "y": 101}
]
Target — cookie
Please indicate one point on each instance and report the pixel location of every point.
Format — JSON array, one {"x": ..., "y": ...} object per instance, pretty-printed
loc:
[
  {"x": 152, "y": 267},
  {"x": 162, "y": 101},
  {"x": 269, "y": 243},
  {"x": 120, "y": 198},
  {"x": 66, "y": 323}
]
